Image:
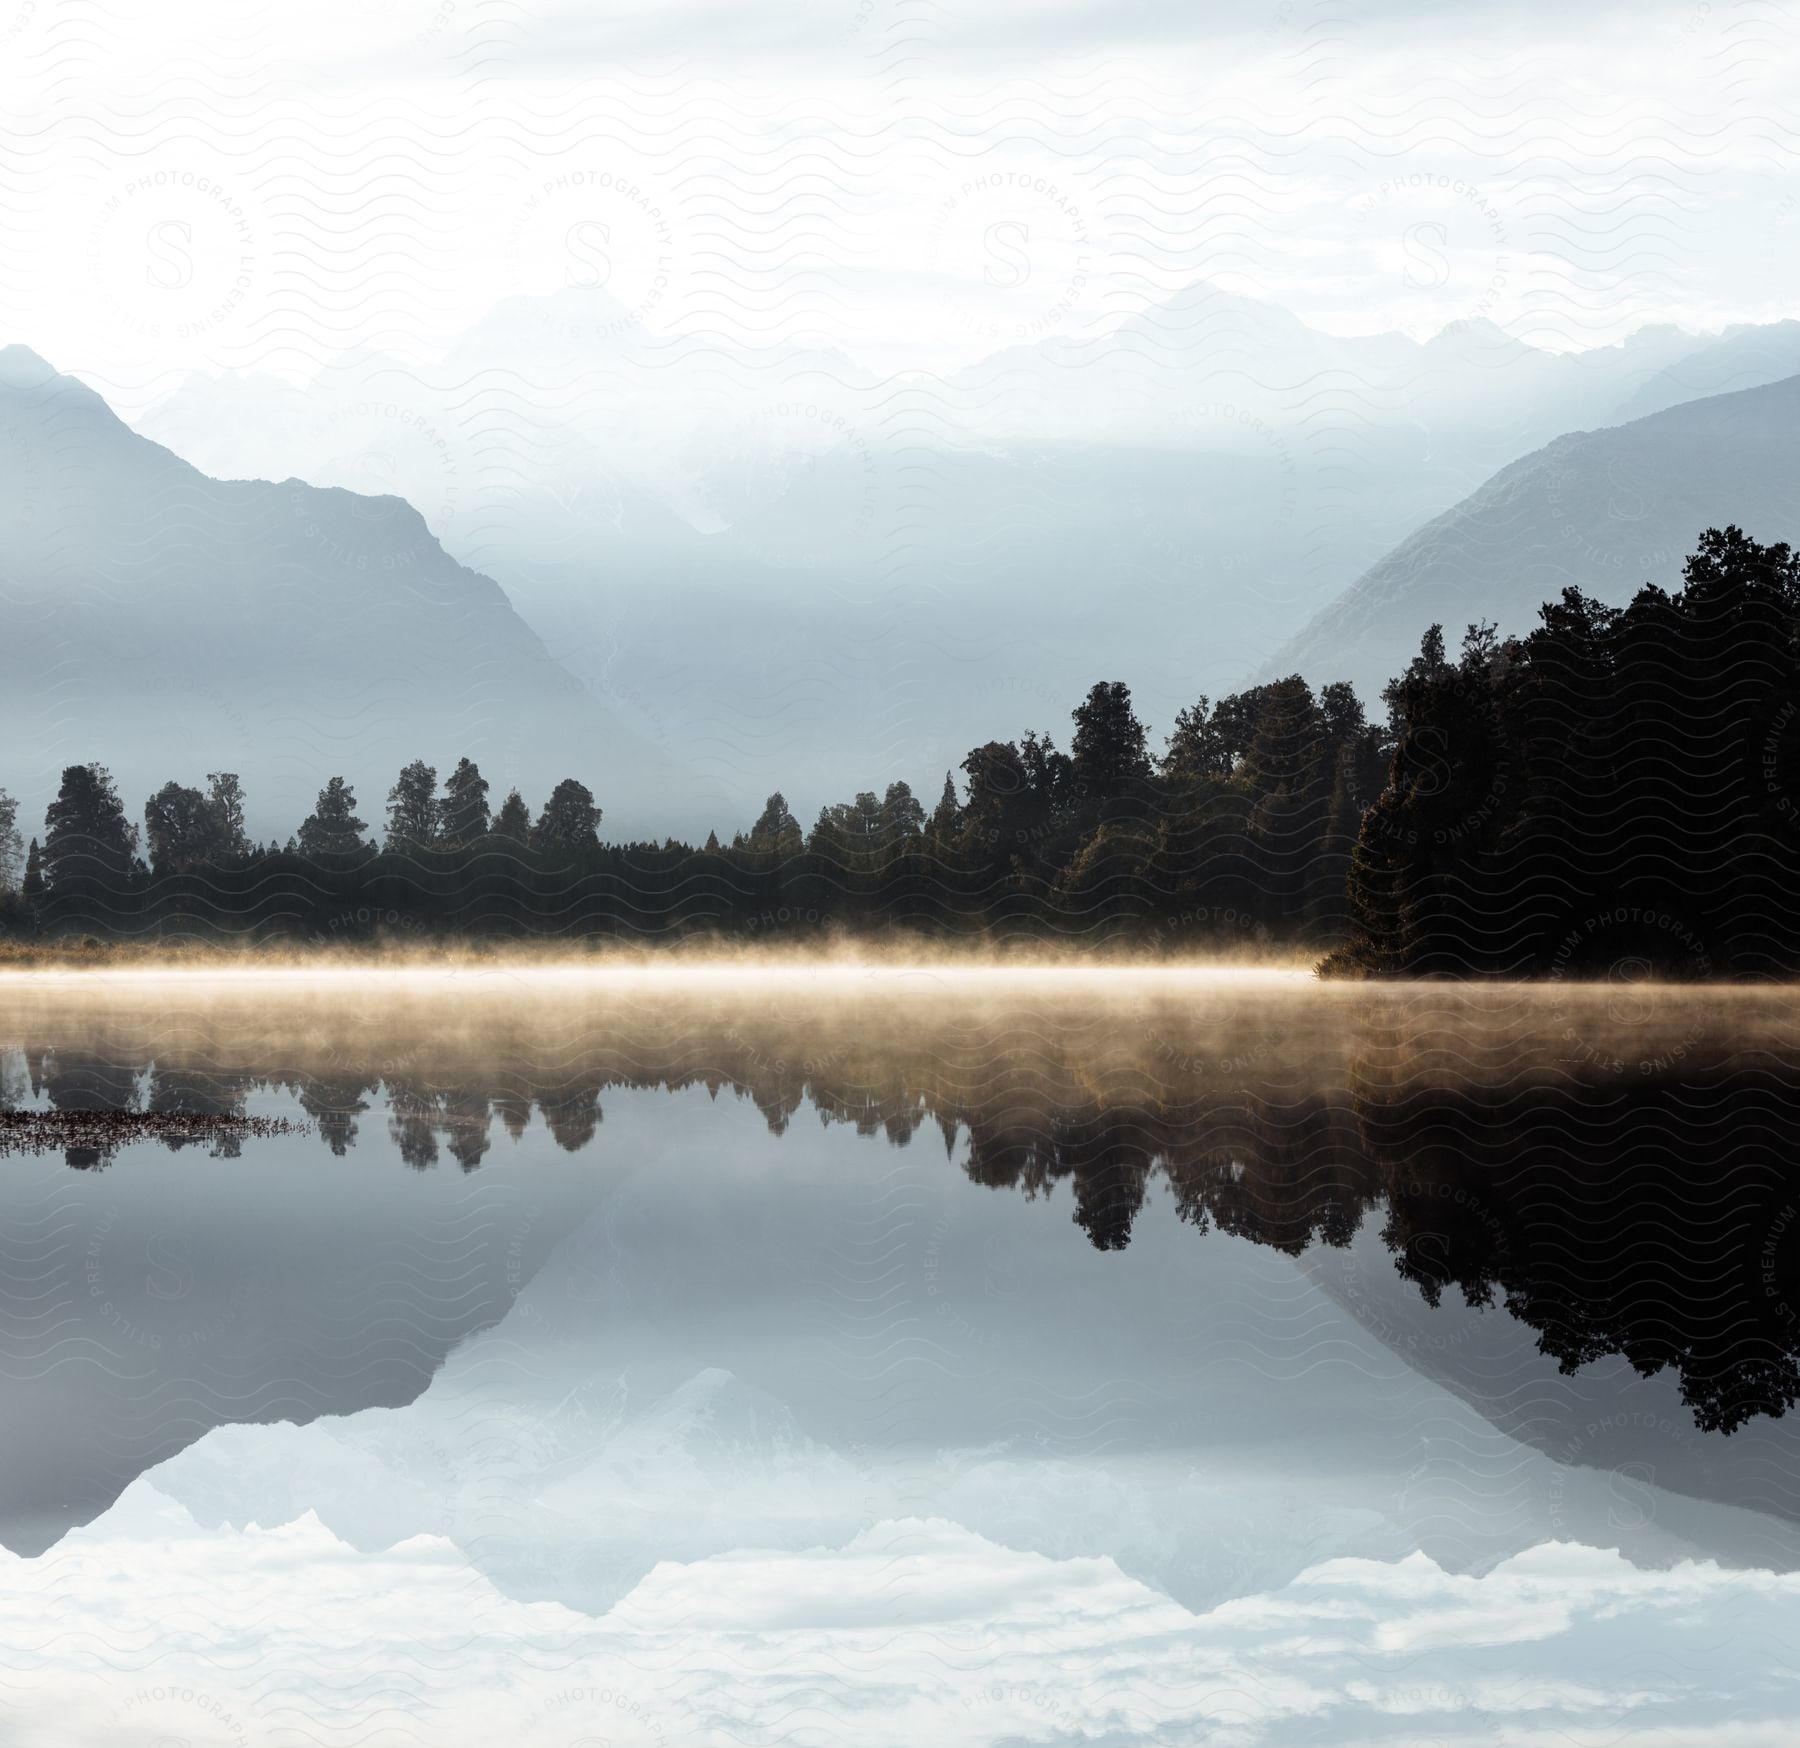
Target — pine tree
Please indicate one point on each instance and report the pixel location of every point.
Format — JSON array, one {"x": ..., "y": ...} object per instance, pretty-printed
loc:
[
  {"x": 333, "y": 828},
  {"x": 901, "y": 814},
  {"x": 1110, "y": 752},
  {"x": 514, "y": 818},
  {"x": 413, "y": 808},
  {"x": 776, "y": 829},
  {"x": 996, "y": 820},
  {"x": 226, "y": 794},
  {"x": 570, "y": 820},
  {"x": 946, "y": 817},
  {"x": 85, "y": 829},
  {"x": 33, "y": 888},
  {"x": 1195, "y": 752},
  {"x": 463, "y": 814},
  {"x": 181, "y": 829}
]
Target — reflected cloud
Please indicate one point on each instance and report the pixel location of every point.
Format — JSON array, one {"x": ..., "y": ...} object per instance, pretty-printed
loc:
[{"x": 1476, "y": 1184}]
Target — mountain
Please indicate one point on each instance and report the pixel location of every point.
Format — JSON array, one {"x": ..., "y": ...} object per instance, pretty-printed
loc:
[
  {"x": 181, "y": 1327},
  {"x": 1208, "y": 362},
  {"x": 1741, "y": 357},
  {"x": 166, "y": 624},
  {"x": 796, "y": 574},
  {"x": 1606, "y": 511}
]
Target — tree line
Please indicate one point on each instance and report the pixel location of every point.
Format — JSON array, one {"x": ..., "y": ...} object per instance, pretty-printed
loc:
[
  {"x": 1615, "y": 792},
  {"x": 1241, "y": 828},
  {"x": 1615, "y": 788}
]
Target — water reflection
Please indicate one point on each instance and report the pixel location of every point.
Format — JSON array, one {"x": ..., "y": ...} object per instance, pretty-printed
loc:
[
  {"x": 597, "y": 1288},
  {"x": 1620, "y": 1181}
]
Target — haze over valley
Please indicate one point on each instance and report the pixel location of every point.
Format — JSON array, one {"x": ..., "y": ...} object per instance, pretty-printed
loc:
[{"x": 762, "y": 571}]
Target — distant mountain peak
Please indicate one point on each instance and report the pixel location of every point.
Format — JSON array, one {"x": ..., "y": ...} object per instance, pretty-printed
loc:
[
  {"x": 27, "y": 372},
  {"x": 1605, "y": 510},
  {"x": 68, "y": 425},
  {"x": 171, "y": 617},
  {"x": 1475, "y": 332},
  {"x": 20, "y": 367}
]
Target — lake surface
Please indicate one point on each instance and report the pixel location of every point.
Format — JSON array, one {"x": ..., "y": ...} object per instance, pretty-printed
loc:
[{"x": 896, "y": 1357}]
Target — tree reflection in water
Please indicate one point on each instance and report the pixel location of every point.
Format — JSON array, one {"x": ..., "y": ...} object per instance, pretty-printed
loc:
[{"x": 1621, "y": 1180}]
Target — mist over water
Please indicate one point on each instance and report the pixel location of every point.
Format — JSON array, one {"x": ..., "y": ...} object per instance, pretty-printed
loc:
[{"x": 661, "y": 1344}]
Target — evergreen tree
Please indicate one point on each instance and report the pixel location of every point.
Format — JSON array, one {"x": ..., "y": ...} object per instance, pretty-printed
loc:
[
  {"x": 1358, "y": 749},
  {"x": 998, "y": 820},
  {"x": 1288, "y": 775},
  {"x": 945, "y": 824},
  {"x": 412, "y": 809},
  {"x": 514, "y": 818},
  {"x": 864, "y": 817},
  {"x": 226, "y": 794},
  {"x": 776, "y": 830},
  {"x": 1049, "y": 785},
  {"x": 1110, "y": 753},
  {"x": 182, "y": 829},
  {"x": 848, "y": 828},
  {"x": 570, "y": 820},
  {"x": 33, "y": 889},
  {"x": 1195, "y": 752},
  {"x": 463, "y": 817},
  {"x": 1233, "y": 726},
  {"x": 901, "y": 814},
  {"x": 333, "y": 828},
  {"x": 1290, "y": 753},
  {"x": 86, "y": 833}
]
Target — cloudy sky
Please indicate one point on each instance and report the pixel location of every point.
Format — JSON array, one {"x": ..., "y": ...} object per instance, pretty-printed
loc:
[
  {"x": 265, "y": 188},
  {"x": 729, "y": 461},
  {"x": 1562, "y": 1647}
]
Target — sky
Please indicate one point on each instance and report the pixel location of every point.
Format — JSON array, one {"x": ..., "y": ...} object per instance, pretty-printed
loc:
[
  {"x": 666, "y": 316},
  {"x": 264, "y": 189}
]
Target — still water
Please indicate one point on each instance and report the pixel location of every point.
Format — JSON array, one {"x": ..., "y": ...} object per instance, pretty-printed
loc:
[{"x": 895, "y": 1357}]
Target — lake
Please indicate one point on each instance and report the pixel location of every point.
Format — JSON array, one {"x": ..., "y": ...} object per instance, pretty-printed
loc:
[{"x": 757, "y": 1356}]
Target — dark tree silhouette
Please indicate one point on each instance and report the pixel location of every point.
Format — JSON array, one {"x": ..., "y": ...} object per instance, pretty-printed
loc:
[
  {"x": 776, "y": 830},
  {"x": 86, "y": 834},
  {"x": 333, "y": 828},
  {"x": 1618, "y": 785},
  {"x": 226, "y": 794},
  {"x": 182, "y": 830},
  {"x": 1109, "y": 754},
  {"x": 412, "y": 809},
  {"x": 996, "y": 816},
  {"x": 848, "y": 834},
  {"x": 946, "y": 818},
  {"x": 901, "y": 815},
  {"x": 570, "y": 820},
  {"x": 1195, "y": 751},
  {"x": 463, "y": 814},
  {"x": 514, "y": 818}
]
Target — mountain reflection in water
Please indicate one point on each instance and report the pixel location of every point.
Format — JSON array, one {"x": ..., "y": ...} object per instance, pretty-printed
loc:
[
  {"x": 706, "y": 1306},
  {"x": 1614, "y": 1167}
]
